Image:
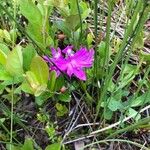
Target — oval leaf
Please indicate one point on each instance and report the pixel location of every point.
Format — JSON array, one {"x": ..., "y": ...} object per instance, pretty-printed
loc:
[
  {"x": 55, "y": 146},
  {"x": 52, "y": 80},
  {"x": 3, "y": 57},
  {"x": 28, "y": 53},
  {"x": 15, "y": 61},
  {"x": 40, "y": 69}
]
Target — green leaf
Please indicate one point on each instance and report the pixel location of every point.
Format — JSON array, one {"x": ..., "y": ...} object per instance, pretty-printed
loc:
[
  {"x": 4, "y": 48},
  {"x": 141, "y": 100},
  {"x": 62, "y": 6},
  {"x": 59, "y": 83},
  {"x": 52, "y": 81},
  {"x": 55, "y": 146},
  {"x": 62, "y": 26},
  {"x": 28, "y": 53},
  {"x": 139, "y": 41},
  {"x": 101, "y": 49},
  {"x": 72, "y": 21},
  {"x": 61, "y": 109},
  {"x": 30, "y": 11},
  {"x": 28, "y": 144},
  {"x": 35, "y": 32},
  {"x": 84, "y": 10},
  {"x": 145, "y": 56},
  {"x": 3, "y": 57},
  {"x": 114, "y": 105},
  {"x": 42, "y": 98},
  {"x": 65, "y": 97},
  {"x": 40, "y": 89},
  {"x": 32, "y": 80},
  {"x": 134, "y": 113},
  {"x": 14, "y": 63},
  {"x": 4, "y": 75},
  {"x": 7, "y": 35},
  {"x": 40, "y": 69},
  {"x": 13, "y": 80},
  {"x": 89, "y": 39},
  {"x": 35, "y": 25},
  {"x": 73, "y": 7},
  {"x": 12, "y": 147},
  {"x": 26, "y": 88},
  {"x": 108, "y": 114},
  {"x": 34, "y": 84}
]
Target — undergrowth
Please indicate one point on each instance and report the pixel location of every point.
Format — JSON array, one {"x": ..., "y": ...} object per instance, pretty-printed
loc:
[{"x": 74, "y": 74}]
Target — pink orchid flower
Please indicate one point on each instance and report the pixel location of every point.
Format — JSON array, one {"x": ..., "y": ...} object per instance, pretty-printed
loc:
[{"x": 70, "y": 62}]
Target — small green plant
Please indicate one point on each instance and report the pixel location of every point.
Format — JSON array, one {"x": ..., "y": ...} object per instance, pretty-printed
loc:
[{"x": 70, "y": 64}]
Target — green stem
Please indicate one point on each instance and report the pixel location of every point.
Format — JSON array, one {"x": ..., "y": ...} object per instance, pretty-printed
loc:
[
  {"x": 89, "y": 98},
  {"x": 106, "y": 58},
  {"x": 108, "y": 27},
  {"x": 11, "y": 124},
  {"x": 80, "y": 39},
  {"x": 8, "y": 132},
  {"x": 44, "y": 23},
  {"x": 14, "y": 23},
  {"x": 96, "y": 40}
]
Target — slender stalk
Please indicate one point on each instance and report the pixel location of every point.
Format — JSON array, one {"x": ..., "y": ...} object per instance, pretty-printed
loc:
[
  {"x": 81, "y": 28},
  {"x": 12, "y": 91},
  {"x": 8, "y": 132},
  {"x": 96, "y": 18},
  {"x": 11, "y": 123},
  {"x": 106, "y": 58},
  {"x": 89, "y": 98},
  {"x": 108, "y": 27},
  {"x": 14, "y": 24},
  {"x": 44, "y": 23},
  {"x": 96, "y": 40}
]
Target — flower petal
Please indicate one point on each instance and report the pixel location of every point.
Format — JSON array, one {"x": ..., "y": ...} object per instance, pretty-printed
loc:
[
  {"x": 79, "y": 73},
  {"x": 56, "y": 54},
  {"x": 62, "y": 64},
  {"x": 68, "y": 50},
  {"x": 84, "y": 58}
]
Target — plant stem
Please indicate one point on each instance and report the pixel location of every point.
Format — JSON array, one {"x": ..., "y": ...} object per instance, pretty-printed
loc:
[
  {"x": 80, "y": 39},
  {"x": 44, "y": 23},
  {"x": 106, "y": 58},
  {"x": 96, "y": 40},
  {"x": 14, "y": 23},
  {"x": 11, "y": 124}
]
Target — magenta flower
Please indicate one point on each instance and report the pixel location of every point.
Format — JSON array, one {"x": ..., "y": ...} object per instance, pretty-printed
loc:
[{"x": 70, "y": 62}]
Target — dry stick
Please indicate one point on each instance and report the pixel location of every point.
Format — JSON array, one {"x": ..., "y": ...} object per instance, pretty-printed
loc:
[
  {"x": 73, "y": 117},
  {"x": 67, "y": 133},
  {"x": 71, "y": 124},
  {"x": 106, "y": 128},
  {"x": 88, "y": 123}
]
